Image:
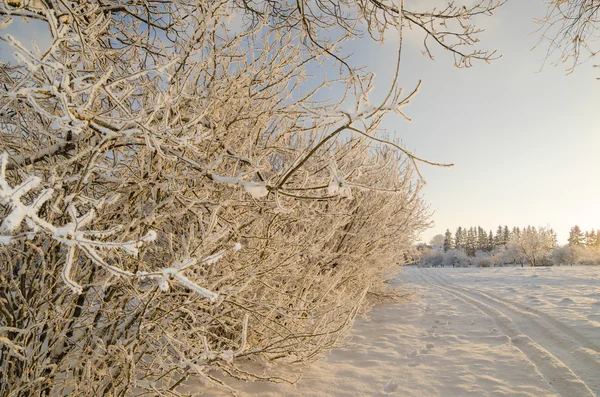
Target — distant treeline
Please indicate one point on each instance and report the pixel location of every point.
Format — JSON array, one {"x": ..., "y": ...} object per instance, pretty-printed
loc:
[
  {"x": 475, "y": 239},
  {"x": 528, "y": 245}
]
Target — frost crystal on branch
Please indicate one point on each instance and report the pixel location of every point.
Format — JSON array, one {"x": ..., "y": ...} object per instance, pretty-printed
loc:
[{"x": 255, "y": 189}]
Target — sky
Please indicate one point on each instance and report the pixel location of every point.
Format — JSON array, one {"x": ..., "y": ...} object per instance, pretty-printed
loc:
[{"x": 525, "y": 142}]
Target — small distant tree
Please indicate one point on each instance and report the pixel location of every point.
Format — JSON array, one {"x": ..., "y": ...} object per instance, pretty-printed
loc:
[
  {"x": 448, "y": 242},
  {"x": 516, "y": 231},
  {"x": 505, "y": 235},
  {"x": 499, "y": 237},
  {"x": 460, "y": 238},
  {"x": 471, "y": 242},
  {"x": 490, "y": 246},
  {"x": 534, "y": 244},
  {"x": 576, "y": 236},
  {"x": 591, "y": 238},
  {"x": 482, "y": 239},
  {"x": 586, "y": 238},
  {"x": 437, "y": 241}
]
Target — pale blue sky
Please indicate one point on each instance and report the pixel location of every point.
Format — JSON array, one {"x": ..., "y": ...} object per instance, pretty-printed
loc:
[{"x": 525, "y": 144}]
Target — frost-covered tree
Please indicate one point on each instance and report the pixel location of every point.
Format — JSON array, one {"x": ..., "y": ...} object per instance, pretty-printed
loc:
[
  {"x": 516, "y": 231},
  {"x": 448, "y": 241},
  {"x": 460, "y": 238},
  {"x": 455, "y": 258},
  {"x": 505, "y": 235},
  {"x": 576, "y": 236},
  {"x": 471, "y": 242},
  {"x": 535, "y": 244},
  {"x": 437, "y": 241},
  {"x": 499, "y": 237},
  {"x": 431, "y": 258},
  {"x": 567, "y": 255},
  {"x": 586, "y": 238},
  {"x": 179, "y": 194},
  {"x": 482, "y": 239},
  {"x": 483, "y": 259},
  {"x": 508, "y": 254},
  {"x": 591, "y": 238}
]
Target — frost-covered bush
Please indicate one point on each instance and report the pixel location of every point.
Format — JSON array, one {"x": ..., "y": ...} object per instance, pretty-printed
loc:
[
  {"x": 175, "y": 196},
  {"x": 587, "y": 255},
  {"x": 483, "y": 259},
  {"x": 431, "y": 257},
  {"x": 455, "y": 258},
  {"x": 576, "y": 255},
  {"x": 435, "y": 257},
  {"x": 506, "y": 255},
  {"x": 545, "y": 261},
  {"x": 566, "y": 255}
]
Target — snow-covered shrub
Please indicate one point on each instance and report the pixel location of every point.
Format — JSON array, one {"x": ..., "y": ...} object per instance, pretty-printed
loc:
[
  {"x": 431, "y": 257},
  {"x": 576, "y": 255},
  {"x": 545, "y": 261},
  {"x": 171, "y": 202},
  {"x": 509, "y": 254},
  {"x": 499, "y": 256},
  {"x": 566, "y": 255},
  {"x": 483, "y": 259},
  {"x": 588, "y": 255},
  {"x": 455, "y": 258}
]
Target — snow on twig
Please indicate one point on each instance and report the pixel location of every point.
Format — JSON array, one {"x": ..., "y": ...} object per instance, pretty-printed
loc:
[
  {"x": 255, "y": 189},
  {"x": 71, "y": 236}
]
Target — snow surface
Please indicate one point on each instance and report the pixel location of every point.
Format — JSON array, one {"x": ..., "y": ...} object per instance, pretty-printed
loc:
[{"x": 467, "y": 332}]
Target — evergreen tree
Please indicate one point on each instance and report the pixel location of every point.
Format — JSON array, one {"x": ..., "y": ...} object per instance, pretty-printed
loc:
[
  {"x": 448, "y": 245},
  {"x": 506, "y": 235},
  {"x": 591, "y": 238},
  {"x": 498, "y": 238},
  {"x": 575, "y": 236},
  {"x": 490, "y": 241},
  {"x": 516, "y": 231},
  {"x": 459, "y": 240},
  {"x": 586, "y": 238},
  {"x": 482, "y": 239},
  {"x": 471, "y": 242}
]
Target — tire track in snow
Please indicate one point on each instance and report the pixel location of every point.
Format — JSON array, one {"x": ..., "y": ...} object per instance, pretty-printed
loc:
[
  {"x": 552, "y": 367},
  {"x": 571, "y": 346},
  {"x": 525, "y": 310}
]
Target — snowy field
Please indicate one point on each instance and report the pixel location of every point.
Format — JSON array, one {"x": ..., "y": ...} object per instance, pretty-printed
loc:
[{"x": 469, "y": 332}]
